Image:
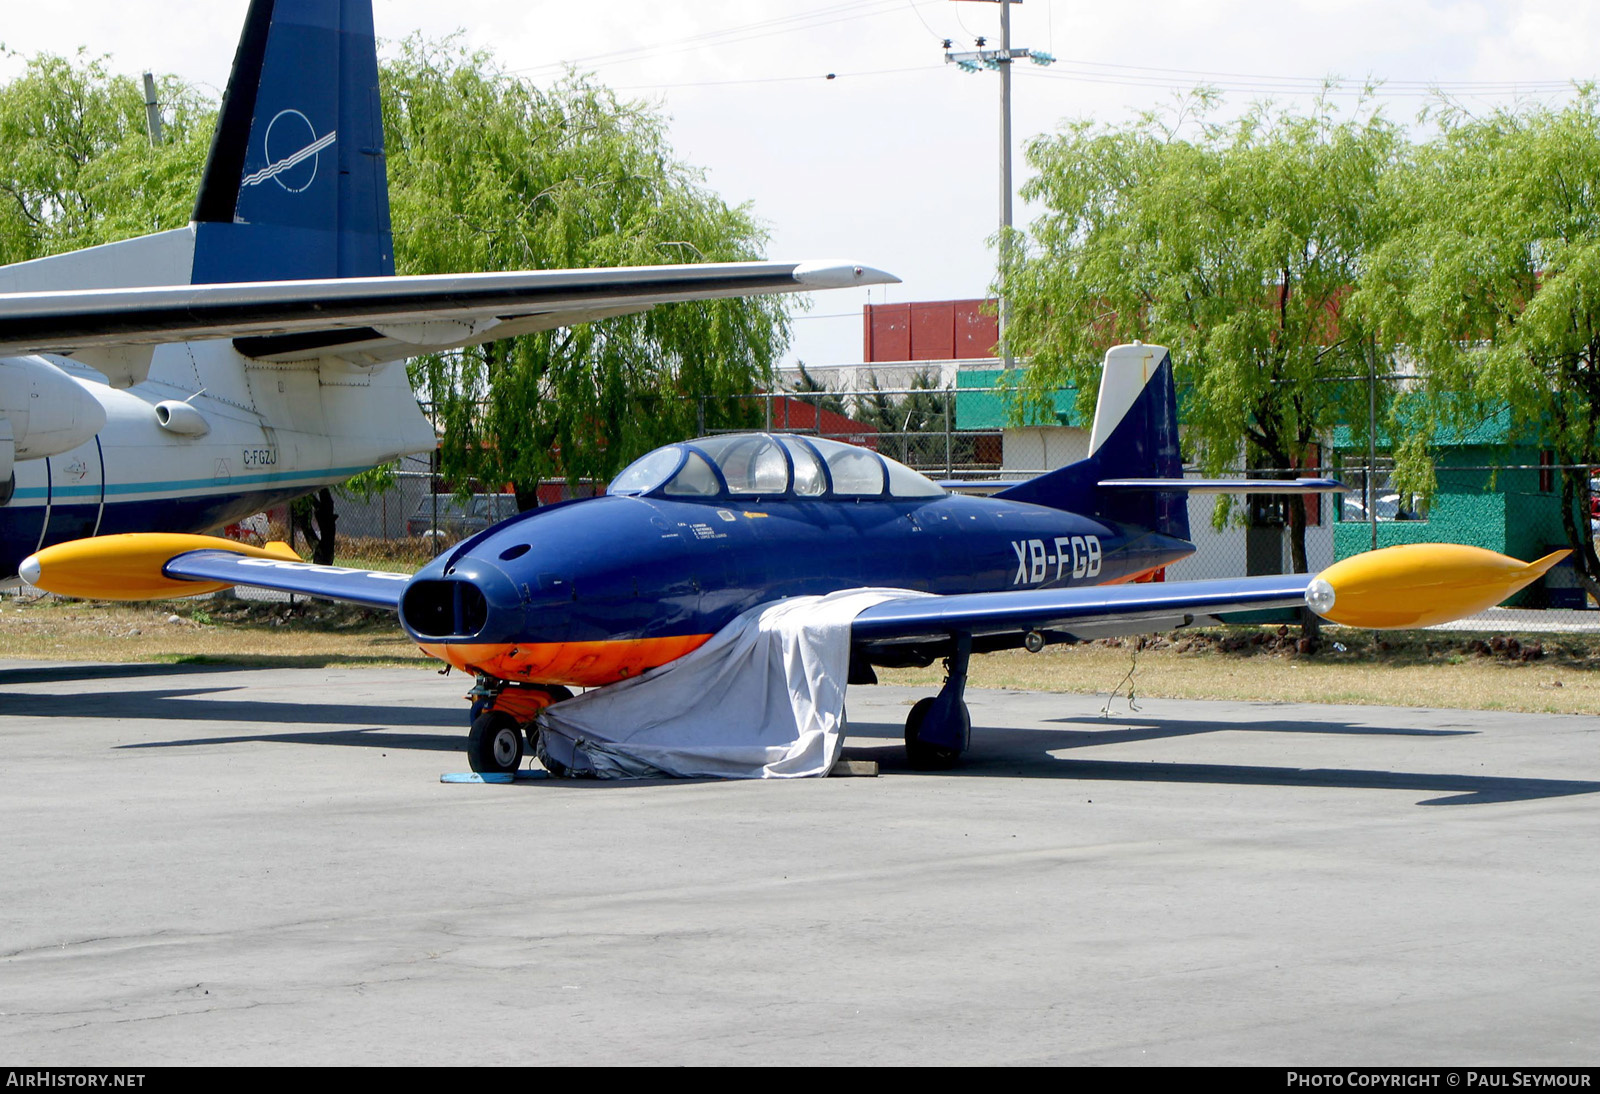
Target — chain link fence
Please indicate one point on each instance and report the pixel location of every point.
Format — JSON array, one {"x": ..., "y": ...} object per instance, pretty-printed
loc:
[
  {"x": 1507, "y": 507},
  {"x": 952, "y": 432}
]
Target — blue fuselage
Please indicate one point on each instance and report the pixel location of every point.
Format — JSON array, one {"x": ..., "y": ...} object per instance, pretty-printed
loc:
[{"x": 626, "y": 569}]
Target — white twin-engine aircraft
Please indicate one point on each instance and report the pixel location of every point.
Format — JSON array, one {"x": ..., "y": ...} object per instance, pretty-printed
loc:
[{"x": 183, "y": 380}]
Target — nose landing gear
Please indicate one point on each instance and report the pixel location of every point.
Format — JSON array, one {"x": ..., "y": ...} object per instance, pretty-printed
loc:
[{"x": 503, "y": 714}]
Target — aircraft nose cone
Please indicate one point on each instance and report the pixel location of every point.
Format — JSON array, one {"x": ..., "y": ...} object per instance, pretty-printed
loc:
[{"x": 29, "y": 570}]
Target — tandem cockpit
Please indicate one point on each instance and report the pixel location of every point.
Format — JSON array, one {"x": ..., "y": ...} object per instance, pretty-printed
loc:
[{"x": 770, "y": 465}]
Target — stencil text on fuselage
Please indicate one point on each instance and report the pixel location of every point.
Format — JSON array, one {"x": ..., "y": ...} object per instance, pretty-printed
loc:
[{"x": 1041, "y": 560}]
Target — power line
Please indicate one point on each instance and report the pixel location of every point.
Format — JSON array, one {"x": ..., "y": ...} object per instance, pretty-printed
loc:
[
  {"x": 1267, "y": 77},
  {"x": 917, "y": 12},
  {"x": 1185, "y": 80},
  {"x": 1080, "y": 71},
  {"x": 783, "y": 79},
  {"x": 744, "y": 32}
]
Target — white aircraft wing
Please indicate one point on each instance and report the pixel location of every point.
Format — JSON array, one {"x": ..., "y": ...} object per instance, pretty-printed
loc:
[{"x": 374, "y": 319}]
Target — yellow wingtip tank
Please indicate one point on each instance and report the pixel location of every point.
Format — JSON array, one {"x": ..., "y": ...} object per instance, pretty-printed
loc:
[
  {"x": 129, "y": 567},
  {"x": 1420, "y": 584}
]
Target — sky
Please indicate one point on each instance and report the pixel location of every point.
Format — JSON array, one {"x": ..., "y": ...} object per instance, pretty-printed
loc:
[{"x": 894, "y": 162}]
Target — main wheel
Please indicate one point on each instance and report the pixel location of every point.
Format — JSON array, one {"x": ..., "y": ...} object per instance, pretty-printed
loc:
[
  {"x": 922, "y": 755},
  {"x": 494, "y": 744}
]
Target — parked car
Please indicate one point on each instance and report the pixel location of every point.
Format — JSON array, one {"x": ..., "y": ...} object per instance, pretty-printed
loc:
[
  {"x": 456, "y": 518},
  {"x": 1387, "y": 506}
]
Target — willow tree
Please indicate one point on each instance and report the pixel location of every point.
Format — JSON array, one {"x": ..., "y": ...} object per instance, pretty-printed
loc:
[
  {"x": 81, "y": 168},
  {"x": 1493, "y": 282},
  {"x": 1234, "y": 245},
  {"x": 489, "y": 172}
]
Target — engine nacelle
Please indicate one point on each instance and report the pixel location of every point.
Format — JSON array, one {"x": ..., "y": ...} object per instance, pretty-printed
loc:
[{"x": 49, "y": 412}]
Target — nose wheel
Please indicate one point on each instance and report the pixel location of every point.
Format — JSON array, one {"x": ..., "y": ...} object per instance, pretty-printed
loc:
[
  {"x": 494, "y": 744},
  {"x": 501, "y": 714}
]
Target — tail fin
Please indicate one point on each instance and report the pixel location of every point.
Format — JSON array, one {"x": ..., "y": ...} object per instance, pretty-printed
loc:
[
  {"x": 1135, "y": 435},
  {"x": 295, "y": 186}
]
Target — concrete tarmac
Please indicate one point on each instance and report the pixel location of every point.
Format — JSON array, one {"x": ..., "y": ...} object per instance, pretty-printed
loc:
[{"x": 220, "y": 865}]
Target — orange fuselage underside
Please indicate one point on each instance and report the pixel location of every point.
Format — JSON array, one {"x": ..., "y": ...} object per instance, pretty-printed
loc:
[{"x": 575, "y": 664}]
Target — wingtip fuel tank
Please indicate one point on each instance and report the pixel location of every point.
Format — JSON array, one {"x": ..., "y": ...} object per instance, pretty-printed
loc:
[
  {"x": 1420, "y": 584},
  {"x": 130, "y": 566}
]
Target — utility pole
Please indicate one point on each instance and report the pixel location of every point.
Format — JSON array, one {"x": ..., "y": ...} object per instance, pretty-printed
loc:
[
  {"x": 1000, "y": 61},
  {"x": 152, "y": 110},
  {"x": 1004, "y": 250}
]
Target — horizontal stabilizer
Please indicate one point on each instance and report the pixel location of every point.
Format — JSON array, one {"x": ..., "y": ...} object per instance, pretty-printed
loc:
[
  {"x": 1230, "y": 486},
  {"x": 984, "y": 487}
]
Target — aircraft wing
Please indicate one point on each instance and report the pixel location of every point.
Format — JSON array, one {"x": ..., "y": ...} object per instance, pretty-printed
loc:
[
  {"x": 373, "y": 319},
  {"x": 140, "y": 566},
  {"x": 1092, "y": 611},
  {"x": 374, "y": 588},
  {"x": 1083, "y": 611},
  {"x": 1415, "y": 585}
]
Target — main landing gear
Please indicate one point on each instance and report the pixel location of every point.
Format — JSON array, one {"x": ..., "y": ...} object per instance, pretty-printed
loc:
[
  {"x": 939, "y": 728},
  {"x": 503, "y": 715}
]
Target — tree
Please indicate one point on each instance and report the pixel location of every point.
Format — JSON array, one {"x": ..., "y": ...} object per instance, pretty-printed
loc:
[
  {"x": 1236, "y": 247},
  {"x": 82, "y": 167},
  {"x": 488, "y": 172},
  {"x": 896, "y": 417},
  {"x": 1492, "y": 280},
  {"x": 818, "y": 394}
]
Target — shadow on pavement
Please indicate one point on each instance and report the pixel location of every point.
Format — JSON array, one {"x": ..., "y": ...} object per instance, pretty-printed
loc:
[{"x": 1026, "y": 754}]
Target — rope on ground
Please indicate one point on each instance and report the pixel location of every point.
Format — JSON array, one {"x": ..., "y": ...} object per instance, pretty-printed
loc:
[{"x": 1133, "y": 667}]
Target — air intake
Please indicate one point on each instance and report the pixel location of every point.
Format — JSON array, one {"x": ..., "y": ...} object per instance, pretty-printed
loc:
[{"x": 444, "y": 609}]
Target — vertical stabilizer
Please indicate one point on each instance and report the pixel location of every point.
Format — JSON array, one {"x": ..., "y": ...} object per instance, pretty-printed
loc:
[
  {"x": 1135, "y": 435},
  {"x": 295, "y": 186}
]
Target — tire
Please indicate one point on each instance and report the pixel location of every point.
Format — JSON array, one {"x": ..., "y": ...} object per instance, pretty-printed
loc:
[
  {"x": 494, "y": 744},
  {"x": 921, "y": 755}
]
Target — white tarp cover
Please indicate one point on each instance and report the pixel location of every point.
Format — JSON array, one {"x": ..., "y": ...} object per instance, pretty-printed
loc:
[{"x": 762, "y": 699}]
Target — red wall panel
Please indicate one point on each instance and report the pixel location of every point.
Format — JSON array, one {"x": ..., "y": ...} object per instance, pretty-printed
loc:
[{"x": 933, "y": 330}]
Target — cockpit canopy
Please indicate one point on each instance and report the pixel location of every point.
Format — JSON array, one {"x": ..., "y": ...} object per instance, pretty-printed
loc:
[{"x": 769, "y": 465}]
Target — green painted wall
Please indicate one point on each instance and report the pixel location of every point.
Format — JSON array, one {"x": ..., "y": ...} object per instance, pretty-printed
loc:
[
  {"x": 992, "y": 409},
  {"x": 1502, "y": 511}
]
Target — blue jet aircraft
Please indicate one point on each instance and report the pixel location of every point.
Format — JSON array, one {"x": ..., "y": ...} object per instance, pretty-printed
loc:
[{"x": 589, "y": 592}]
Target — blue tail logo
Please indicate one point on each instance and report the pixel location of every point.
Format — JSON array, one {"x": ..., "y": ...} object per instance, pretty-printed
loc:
[{"x": 288, "y": 134}]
